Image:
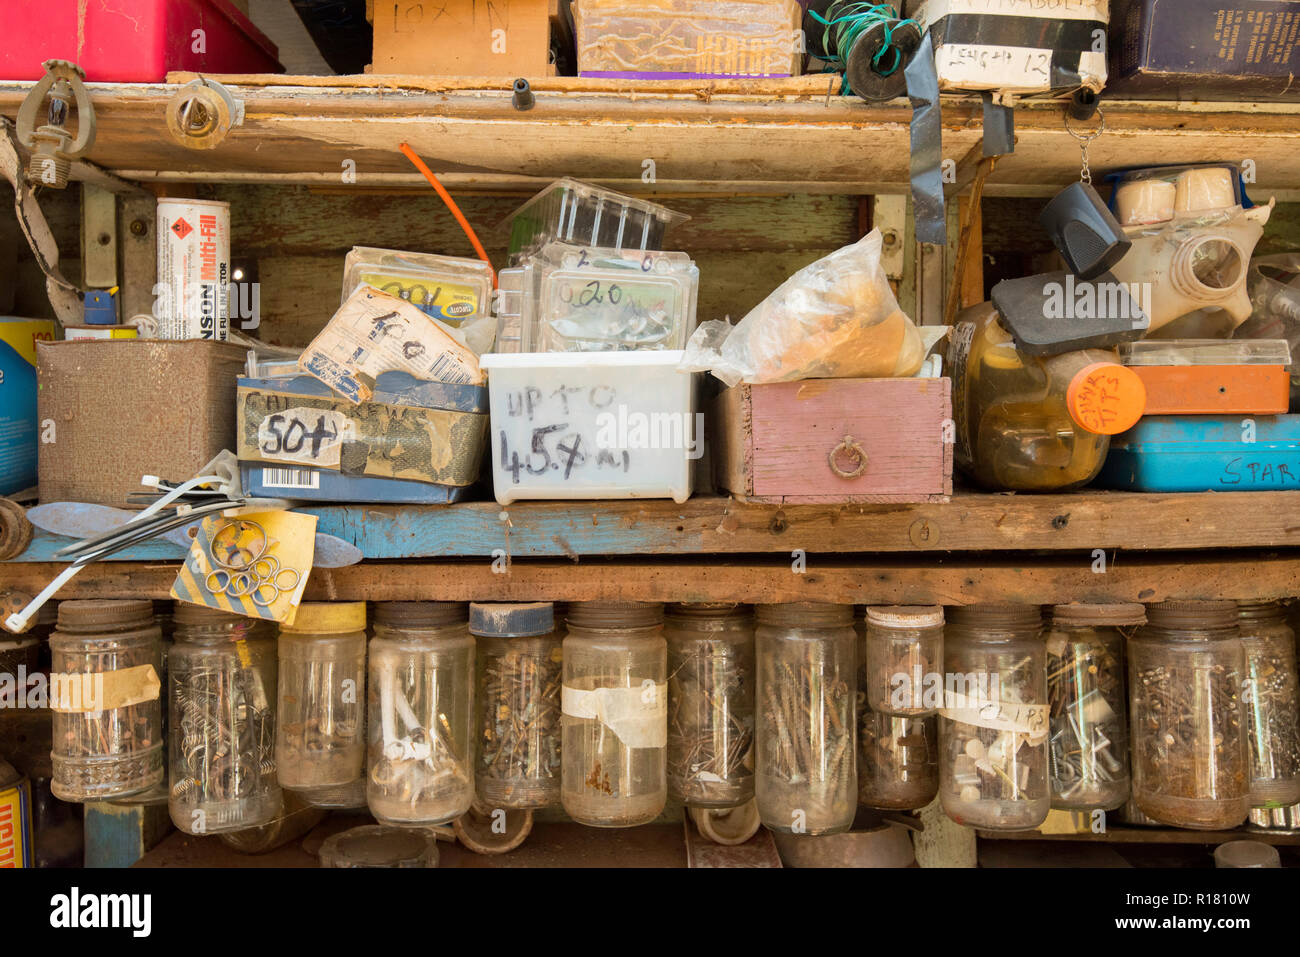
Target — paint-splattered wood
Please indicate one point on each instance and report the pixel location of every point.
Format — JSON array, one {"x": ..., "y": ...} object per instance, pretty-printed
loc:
[
  {"x": 936, "y": 580},
  {"x": 1080, "y": 521}
]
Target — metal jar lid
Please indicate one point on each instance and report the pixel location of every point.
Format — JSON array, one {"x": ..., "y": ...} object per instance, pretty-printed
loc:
[
  {"x": 105, "y": 614},
  {"x": 905, "y": 616},
  {"x": 328, "y": 618},
  {"x": 996, "y": 615},
  {"x": 616, "y": 614},
  {"x": 420, "y": 614},
  {"x": 511, "y": 619},
  {"x": 1193, "y": 615},
  {"x": 1116, "y": 615}
]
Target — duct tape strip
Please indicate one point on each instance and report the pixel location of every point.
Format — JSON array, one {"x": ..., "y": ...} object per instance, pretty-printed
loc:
[
  {"x": 999, "y": 127},
  {"x": 927, "y": 146}
]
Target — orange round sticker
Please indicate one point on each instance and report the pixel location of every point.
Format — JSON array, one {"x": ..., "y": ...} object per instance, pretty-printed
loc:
[{"x": 1106, "y": 398}]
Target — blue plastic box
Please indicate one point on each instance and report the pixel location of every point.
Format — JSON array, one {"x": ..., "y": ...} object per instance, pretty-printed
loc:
[{"x": 1205, "y": 453}]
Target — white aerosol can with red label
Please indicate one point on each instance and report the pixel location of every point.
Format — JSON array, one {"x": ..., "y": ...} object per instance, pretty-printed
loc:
[{"x": 192, "y": 296}]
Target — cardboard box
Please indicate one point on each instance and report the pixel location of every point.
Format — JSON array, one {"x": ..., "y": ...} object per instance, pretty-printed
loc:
[
  {"x": 835, "y": 440},
  {"x": 463, "y": 38},
  {"x": 1017, "y": 46},
  {"x": 1206, "y": 49},
  {"x": 123, "y": 408},
  {"x": 18, "y": 420}
]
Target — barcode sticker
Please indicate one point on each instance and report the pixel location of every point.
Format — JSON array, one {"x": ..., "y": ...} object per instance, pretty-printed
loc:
[{"x": 290, "y": 478}]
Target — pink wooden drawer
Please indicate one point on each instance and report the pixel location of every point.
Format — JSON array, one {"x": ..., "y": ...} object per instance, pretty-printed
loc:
[{"x": 891, "y": 439}]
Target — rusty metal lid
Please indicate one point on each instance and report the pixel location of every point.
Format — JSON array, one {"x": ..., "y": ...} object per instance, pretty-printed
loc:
[
  {"x": 996, "y": 615},
  {"x": 1193, "y": 615},
  {"x": 105, "y": 614},
  {"x": 420, "y": 614},
  {"x": 616, "y": 614},
  {"x": 1116, "y": 615}
]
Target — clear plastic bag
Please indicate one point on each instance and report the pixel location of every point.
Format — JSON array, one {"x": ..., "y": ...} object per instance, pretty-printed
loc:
[{"x": 836, "y": 318}]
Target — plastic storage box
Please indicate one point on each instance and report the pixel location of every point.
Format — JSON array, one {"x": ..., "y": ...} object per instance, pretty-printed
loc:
[
  {"x": 136, "y": 41},
  {"x": 1212, "y": 376},
  {"x": 583, "y": 215},
  {"x": 1198, "y": 453},
  {"x": 448, "y": 288},
  {"x": 591, "y": 425}
]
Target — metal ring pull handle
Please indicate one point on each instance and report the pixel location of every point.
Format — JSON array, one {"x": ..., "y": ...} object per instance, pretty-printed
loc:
[{"x": 847, "y": 446}]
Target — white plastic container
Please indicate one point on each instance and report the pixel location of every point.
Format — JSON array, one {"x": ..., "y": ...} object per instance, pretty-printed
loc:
[{"x": 591, "y": 425}]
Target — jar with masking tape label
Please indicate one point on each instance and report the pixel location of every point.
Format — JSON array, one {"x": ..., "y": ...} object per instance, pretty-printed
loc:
[
  {"x": 221, "y": 679},
  {"x": 105, "y": 694},
  {"x": 615, "y": 721},
  {"x": 420, "y": 713},
  {"x": 806, "y": 776},
  {"x": 993, "y": 727}
]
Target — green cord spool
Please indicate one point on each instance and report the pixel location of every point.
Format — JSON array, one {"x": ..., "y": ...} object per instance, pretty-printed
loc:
[{"x": 869, "y": 42}]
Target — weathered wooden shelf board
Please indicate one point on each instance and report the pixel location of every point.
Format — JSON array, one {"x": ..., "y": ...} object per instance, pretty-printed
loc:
[
  {"x": 713, "y": 134},
  {"x": 936, "y": 580},
  {"x": 1079, "y": 521}
]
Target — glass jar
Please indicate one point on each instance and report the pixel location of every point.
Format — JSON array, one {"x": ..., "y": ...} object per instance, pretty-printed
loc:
[
  {"x": 373, "y": 845},
  {"x": 615, "y": 723},
  {"x": 1271, "y": 703},
  {"x": 520, "y": 673},
  {"x": 993, "y": 729},
  {"x": 105, "y": 695},
  {"x": 1190, "y": 756},
  {"x": 320, "y": 743},
  {"x": 898, "y": 760},
  {"x": 710, "y": 704},
  {"x": 903, "y": 655},
  {"x": 421, "y": 713},
  {"x": 1085, "y": 694},
  {"x": 1034, "y": 423},
  {"x": 295, "y": 819},
  {"x": 221, "y": 722},
  {"x": 807, "y": 770}
]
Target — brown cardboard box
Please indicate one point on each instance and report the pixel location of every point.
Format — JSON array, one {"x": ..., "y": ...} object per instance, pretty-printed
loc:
[
  {"x": 463, "y": 37},
  {"x": 118, "y": 409}
]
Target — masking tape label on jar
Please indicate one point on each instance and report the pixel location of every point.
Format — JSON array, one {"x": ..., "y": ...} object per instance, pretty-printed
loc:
[
  {"x": 1030, "y": 719},
  {"x": 638, "y": 716},
  {"x": 90, "y": 692}
]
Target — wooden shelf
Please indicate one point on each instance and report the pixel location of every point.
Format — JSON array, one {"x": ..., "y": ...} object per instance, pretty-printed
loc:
[{"x": 730, "y": 135}]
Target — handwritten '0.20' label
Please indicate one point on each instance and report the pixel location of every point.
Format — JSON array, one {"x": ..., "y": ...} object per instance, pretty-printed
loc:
[{"x": 305, "y": 436}]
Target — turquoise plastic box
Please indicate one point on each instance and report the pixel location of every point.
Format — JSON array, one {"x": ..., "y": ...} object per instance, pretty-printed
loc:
[{"x": 1205, "y": 453}]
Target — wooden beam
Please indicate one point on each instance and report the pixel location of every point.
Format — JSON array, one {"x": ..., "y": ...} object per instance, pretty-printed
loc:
[{"x": 1030, "y": 579}]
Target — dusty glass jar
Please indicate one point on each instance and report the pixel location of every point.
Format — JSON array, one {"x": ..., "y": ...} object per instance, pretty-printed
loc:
[
  {"x": 320, "y": 743},
  {"x": 1085, "y": 693},
  {"x": 806, "y": 777},
  {"x": 520, "y": 673},
  {"x": 1271, "y": 717},
  {"x": 993, "y": 729},
  {"x": 106, "y": 698},
  {"x": 903, "y": 652},
  {"x": 615, "y": 724},
  {"x": 221, "y": 722},
  {"x": 1190, "y": 757},
  {"x": 421, "y": 713},
  {"x": 898, "y": 760},
  {"x": 710, "y": 704}
]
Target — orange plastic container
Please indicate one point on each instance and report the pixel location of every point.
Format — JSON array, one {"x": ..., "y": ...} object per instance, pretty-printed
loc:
[{"x": 1212, "y": 377}]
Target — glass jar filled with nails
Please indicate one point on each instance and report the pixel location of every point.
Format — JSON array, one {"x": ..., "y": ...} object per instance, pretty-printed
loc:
[
  {"x": 993, "y": 728},
  {"x": 1271, "y": 704},
  {"x": 320, "y": 742},
  {"x": 806, "y": 777},
  {"x": 420, "y": 713},
  {"x": 1085, "y": 695}
]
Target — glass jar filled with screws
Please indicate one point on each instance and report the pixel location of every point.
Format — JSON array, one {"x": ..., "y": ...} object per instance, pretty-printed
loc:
[
  {"x": 615, "y": 724},
  {"x": 898, "y": 760},
  {"x": 1085, "y": 695},
  {"x": 806, "y": 778},
  {"x": 105, "y": 695},
  {"x": 710, "y": 703},
  {"x": 221, "y": 677},
  {"x": 320, "y": 744},
  {"x": 993, "y": 728},
  {"x": 904, "y": 650},
  {"x": 420, "y": 713},
  {"x": 1189, "y": 753},
  {"x": 1271, "y": 704},
  {"x": 520, "y": 673}
]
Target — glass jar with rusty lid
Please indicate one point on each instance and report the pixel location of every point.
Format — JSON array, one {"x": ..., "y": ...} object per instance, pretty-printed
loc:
[
  {"x": 806, "y": 775},
  {"x": 903, "y": 659},
  {"x": 520, "y": 674},
  {"x": 320, "y": 742},
  {"x": 420, "y": 713},
  {"x": 1088, "y": 706},
  {"x": 221, "y": 678},
  {"x": 105, "y": 694},
  {"x": 710, "y": 703},
  {"x": 1189, "y": 752},
  {"x": 615, "y": 713},
  {"x": 993, "y": 728},
  {"x": 1270, "y": 703}
]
